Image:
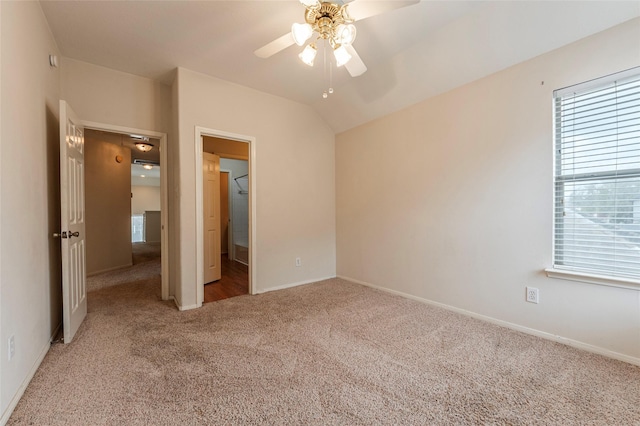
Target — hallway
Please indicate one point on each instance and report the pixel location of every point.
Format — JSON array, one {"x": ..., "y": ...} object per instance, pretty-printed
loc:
[{"x": 146, "y": 266}]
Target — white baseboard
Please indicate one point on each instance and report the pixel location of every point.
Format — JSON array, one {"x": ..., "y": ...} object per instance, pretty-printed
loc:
[
  {"x": 175, "y": 301},
  {"x": 115, "y": 268},
  {"x": 560, "y": 339},
  {"x": 23, "y": 387},
  {"x": 183, "y": 308},
  {"x": 55, "y": 333},
  {"x": 296, "y": 284},
  {"x": 187, "y": 307}
]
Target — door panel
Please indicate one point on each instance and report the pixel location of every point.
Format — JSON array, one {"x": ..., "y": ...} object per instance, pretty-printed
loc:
[
  {"x": 211, "y": 215},
  {"x": 212, "y": 262},
  {"x": 74, "y": 290}
]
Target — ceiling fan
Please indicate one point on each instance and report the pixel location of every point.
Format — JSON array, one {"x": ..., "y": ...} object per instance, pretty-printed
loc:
[{"x": 332, "y": 23}]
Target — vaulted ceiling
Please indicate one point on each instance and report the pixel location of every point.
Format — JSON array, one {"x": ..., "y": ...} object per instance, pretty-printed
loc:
[{"x": 411, "y": 53}]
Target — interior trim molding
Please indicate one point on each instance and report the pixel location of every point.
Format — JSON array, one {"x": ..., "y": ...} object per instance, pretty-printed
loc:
[
  {"x": 113, "y": 268},
  {"x": 532, "y": 331},
  {"x": 626, "y": 283},
  {"x": 296, "y": 284},
  {"x": 187, "y": 307},
  {"x": 253, "y": 215},
  {"x": 175, "y": 302}
]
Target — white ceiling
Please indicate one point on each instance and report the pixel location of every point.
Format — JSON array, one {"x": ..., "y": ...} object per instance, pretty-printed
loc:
[
  {"x": 138, "y": 171},
  {"x": 412, "y": 53}
]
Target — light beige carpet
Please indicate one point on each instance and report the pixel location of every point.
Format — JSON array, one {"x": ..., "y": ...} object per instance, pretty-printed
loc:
[
  {"x": 146, "y": 264},
  {"x": 327, "y": 353}
]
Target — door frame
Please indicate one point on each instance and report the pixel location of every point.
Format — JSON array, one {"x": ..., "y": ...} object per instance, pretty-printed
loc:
[
  {"x": 199, "y": 133},
  {"x": 164, "y": 201}
]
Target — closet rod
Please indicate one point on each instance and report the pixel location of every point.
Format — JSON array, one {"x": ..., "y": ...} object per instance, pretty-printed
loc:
[{"x": 240, "y": 177}]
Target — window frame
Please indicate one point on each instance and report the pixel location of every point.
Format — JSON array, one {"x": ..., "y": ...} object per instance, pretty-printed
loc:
[{"x": 560, "y": 179}]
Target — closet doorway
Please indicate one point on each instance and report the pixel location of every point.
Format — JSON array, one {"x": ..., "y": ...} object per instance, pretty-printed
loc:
[{"x": 225, "y": 218}]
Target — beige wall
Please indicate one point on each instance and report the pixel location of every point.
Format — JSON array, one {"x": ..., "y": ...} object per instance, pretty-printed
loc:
[
  {"x": 144, "y": 198},
  {"x": 108, "y": 205},
  {"x": 30, "y": 284},
  {"x": 107, "y": 96},
  {"x": 152, "y": 226},
  {"x": 451, "y": 200},
  {"x": 295, "y": 180}
]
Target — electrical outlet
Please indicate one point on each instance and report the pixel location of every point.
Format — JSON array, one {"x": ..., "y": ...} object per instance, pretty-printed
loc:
[
  {"x": 533, "y": 295},
  {"x": 298, "y": 262},
  {"x": 11, "y": 348}
]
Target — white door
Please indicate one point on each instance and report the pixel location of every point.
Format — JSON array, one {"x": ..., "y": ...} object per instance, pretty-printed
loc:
[
  {"x": 211, "y": 204},
  {"x": 74, "y": 290}
]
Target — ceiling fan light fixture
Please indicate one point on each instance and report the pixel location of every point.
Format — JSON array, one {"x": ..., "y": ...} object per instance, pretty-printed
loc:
[
  {"x": 144, "y": 146},
  {"x": 301, "y": 33},
  {"x": 308, "y": 54},
  {"x": 345, "y": 34},
  {"x": 341, "y": 55}
]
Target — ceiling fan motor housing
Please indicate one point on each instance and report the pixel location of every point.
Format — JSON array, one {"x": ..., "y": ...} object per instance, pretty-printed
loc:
[{"x": 325, "y": 19}]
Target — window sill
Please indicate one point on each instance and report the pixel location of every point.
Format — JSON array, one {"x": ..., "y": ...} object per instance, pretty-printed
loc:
[{"x": 562, "y": 274}]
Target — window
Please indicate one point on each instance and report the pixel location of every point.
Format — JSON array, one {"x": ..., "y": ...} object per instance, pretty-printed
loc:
[
  {"x": 597, "y": 177},
  {"x": 137, "y": 228}
]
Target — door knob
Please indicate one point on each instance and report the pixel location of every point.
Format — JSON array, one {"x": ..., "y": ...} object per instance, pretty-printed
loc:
[
  {"x": 60, "y": 235},
  {"x": 74, "y": 234}
]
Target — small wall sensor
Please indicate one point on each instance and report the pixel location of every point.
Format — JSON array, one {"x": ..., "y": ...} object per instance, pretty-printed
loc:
[{"x": 53, "y": 61}]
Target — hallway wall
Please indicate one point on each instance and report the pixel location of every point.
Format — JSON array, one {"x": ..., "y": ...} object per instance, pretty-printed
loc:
[{"x": 107, "y": 204}]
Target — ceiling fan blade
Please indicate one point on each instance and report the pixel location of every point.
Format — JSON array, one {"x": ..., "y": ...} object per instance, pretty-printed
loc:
[
  {"x": 362, "y": 9},
  {"x": 355, "y": 66},
  {"x": 275, "y": 46}
]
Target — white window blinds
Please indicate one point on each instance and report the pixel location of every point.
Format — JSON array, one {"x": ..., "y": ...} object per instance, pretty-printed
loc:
[{"x": 597, "y": 176}]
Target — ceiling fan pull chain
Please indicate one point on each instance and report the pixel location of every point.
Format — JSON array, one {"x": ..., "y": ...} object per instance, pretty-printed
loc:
[
  {"x": 325, "y": 94},
  {"x": 330, "y": 76}
]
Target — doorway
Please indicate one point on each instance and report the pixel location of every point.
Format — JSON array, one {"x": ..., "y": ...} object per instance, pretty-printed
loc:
[
  {"x": 225, "y": 190},
  {"x": 126, "y": 197},
  {"x": 227, "y": 146}
]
